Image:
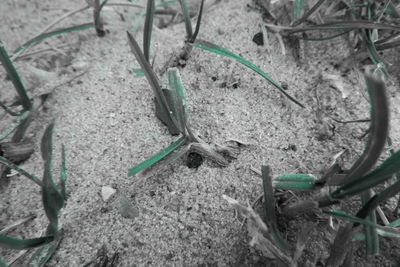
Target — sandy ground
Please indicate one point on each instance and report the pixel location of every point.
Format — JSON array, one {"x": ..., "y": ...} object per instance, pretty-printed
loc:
[{"x": 105, "y": 117}]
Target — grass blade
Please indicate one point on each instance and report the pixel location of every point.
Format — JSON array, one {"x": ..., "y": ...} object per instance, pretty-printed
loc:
[
  {"x": 345, "y": 25},
  {"x": 377, "y": 137},
  {"x": 56, "y": 32},
  {"x": 11, "y": 165},
  {"x": 224, "y": 52},
  {"x": 178, "y": 98},
  {"x": 308, "y": 13},
  {"x": 154, "y": 84},
  {"x": 297, "y": 9},
  {"x": 16, "y": 243},
  {"x": 14, "y": 125},
  {"x": 377, "y": 199},
  {"x": 389, "y": 231},
  {"x": 9, "y": 111},
  {"x": 3, "y": 263},
  {"x": 198, "y": 23},
  {"x": 52, "y": 198},
  {"x": 270, "y": 207},
  {"x": 371, "y": 235},
  {"x": 63, "y": 173},
  {"x": 186, "y": 18},
  {"x": 379, "y": 175},
  {"x": 43, "y": 254},
  {"x": 157, "y": 157},
  {"x": 148, "y": 27},
  {"x": 15, "y": 79}
]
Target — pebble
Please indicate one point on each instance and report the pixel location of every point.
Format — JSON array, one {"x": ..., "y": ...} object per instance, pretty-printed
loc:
[
  {"x": 107, "y": 192},
  {"x": 126, "y": 208}
]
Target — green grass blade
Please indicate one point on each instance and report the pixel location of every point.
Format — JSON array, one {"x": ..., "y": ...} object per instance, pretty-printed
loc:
[
  {"x": 295, "y": 177},
  {"x": 384, "y": 172},
  {"x": 17, "y": 243},
  {"x": 15, "y": 125},
  {"x": 389, "y": 231},
  {"x": 294, "y": 185},
  {"x": 371, "y": 235},
  {"x": 43, "y": 254},
  {"x": 380, "y": 198},
  {"x": 15, "y": 79},
  {"x": 157, "y": 157},
  {"x": 198, "y": 23},
  {"x": 63, "y": 173},
  {"x": 138, "y": 72},
  {"x": 308, "y": 13},
  {"x": 11, "y": 165},
  {"x": 52, "y": 198},
  {"x": 56, "y": 32},
  {"x": 161, "y": 101},
  {"x": 186, "y": 18},
  {"x": 377, "y": 137},
  {"x": 148, "y": 27},
  {"x": 224, "y": 52},
  {"x": 178, "y": 98},
  {"x": 270, "y": 207},
  {"x": 298, "y": 6},
  {"x": 3, "y": 263},
  {"x": 22, "y": 127},
  {"x": 139, "y": 17},
  {"x": 9, "y": 111},
  {"x": 346, "y": 25}
]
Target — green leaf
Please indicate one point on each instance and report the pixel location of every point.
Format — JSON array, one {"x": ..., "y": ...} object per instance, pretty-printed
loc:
[
  {"x": 53, "y": 199},
  {"x": 389, "y": 231},
  {"x": 3, "y": 263},
  {"x": 11, "y": 165},
  {"x": 270, "y": 207},
  {"x": 154, "y": 83},
  {"x": 157, "y": 157},
  {"x": 345, "y": 25},
  {"x": 63, "y": 173},
  {"x": 10, "y": 111},
  {"x": 148, "y": 27},
  {"x": 371, "y": 235},
  {"x": 298, "y": 6},
  {"x": 15, "y": 125},
  {"x": 43, "y": 254},
  {"x": 178, "y": 98},
  {"x": 56, "y": 32},
  {"x": 15, "y": 79},
  {"x": 138, "y": 72},
  {"x": 377, "y": 199},
  {"x": 17, "y": 243},
  {"x": 186, "y": 18},
  {"x": 376, "y": 140},
  {"x": 295, "y": 177},
  {"x": 138, "y": 19},
  {"x": 198, "y": 23},
  {"x": 294, "y": 185},
  {"x": 205, "y": 45},
  {"x": 379, "y": 175}
]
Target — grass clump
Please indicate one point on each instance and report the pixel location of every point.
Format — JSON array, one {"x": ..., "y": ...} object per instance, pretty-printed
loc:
[
  {"x": 171, "y": 110},
  {"x": 53, "y": 198}
]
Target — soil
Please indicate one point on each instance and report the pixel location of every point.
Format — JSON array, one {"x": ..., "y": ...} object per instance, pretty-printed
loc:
[{"x": 104, "y": 115}]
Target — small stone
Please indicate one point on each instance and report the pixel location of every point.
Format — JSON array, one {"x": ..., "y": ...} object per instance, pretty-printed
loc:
[
  {"x": 107, "y": 192},
  {"x": 127, "y": 209},
  {"x": 194, "y": 160}
]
